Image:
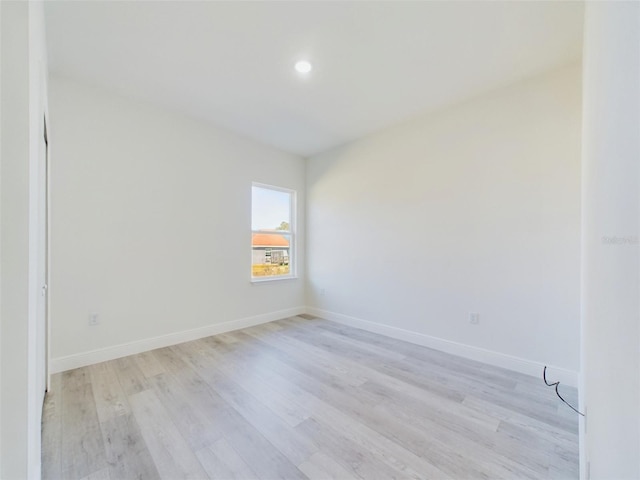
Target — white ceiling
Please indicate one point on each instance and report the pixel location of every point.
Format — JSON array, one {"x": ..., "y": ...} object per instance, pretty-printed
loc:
[{"x": 375, "y": 63}]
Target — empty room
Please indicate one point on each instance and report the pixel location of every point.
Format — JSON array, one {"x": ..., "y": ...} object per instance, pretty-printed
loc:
[{"x": 319, "y": 239}]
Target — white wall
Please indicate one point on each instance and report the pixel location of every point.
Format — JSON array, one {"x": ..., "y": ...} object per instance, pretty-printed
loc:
[
  {"x": 14, "y": 261},
  {"x": 151, "y": 226},
  {"x": 1, "y": 257},
  {"x": 611, "y": 221},
  {"x": 38, "y": 108},
  {"x": 472, "y": 209},
  {"x": 24, "y": 101}
]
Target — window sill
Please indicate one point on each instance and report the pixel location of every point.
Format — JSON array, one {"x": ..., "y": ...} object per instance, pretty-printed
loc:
[{"x": 258, "y": 280}]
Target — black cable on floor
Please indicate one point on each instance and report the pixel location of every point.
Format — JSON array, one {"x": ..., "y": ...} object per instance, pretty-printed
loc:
[{"x": 556, "y": 384}]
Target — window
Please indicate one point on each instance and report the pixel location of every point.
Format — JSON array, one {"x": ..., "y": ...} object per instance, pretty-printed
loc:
[{"x": 272, "y": 232}]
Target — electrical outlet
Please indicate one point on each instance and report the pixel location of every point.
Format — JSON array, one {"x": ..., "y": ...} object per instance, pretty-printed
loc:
[
  {"x": 474, "y": 318},
  {"x": 94, "y": 319}
]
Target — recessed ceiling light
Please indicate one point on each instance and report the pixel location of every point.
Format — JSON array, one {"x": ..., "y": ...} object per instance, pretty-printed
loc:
[{"x": 303, "y": 66}]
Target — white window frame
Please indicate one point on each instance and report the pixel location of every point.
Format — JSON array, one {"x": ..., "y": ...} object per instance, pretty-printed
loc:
[{"x": 293, "y": 257}]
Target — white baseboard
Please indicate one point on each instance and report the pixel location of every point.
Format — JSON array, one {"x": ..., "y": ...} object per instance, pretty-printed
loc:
[
  {"x": 517, "y": 364},
  {"x": 83, "y": 359},
  {"x": 528, "y": 367}
]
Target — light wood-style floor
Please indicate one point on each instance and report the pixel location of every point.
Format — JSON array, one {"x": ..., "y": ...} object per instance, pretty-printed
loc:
[{"x": 304, "y": 397}]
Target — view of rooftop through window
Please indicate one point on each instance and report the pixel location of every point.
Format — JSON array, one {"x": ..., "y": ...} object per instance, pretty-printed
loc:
[{"x": 272, "y": 232}]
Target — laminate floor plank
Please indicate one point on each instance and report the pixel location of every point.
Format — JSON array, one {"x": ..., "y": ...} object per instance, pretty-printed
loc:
[
  {"x": 381, "y": 353},
  {"x": 420, "y": 403},
  {"x": 564, "y": 463},
  {"x": 514, "y": 467},
  {"x": 281, "y": 448},
  {"x": 250, "y": 444},
  {"x": 463, "y": 452},
  {"x": 261, "y": 455},
  {"x": 462, "y": 367},
  {"x": 542, "y": 408},
  {"x": 348, "y": 426},
  {"x": 346, "y": 351},
  {"x": 457, "y": 430},
  {"x": 344, "y": 418},
  {"x": 304, "y": 398},
  {"x": 321, "y": 466},
  {"x": 293, "y": 446},
  {"x": 277, "y": 400},
  {"x": 170, "y": 451},
  {"x": 52, "y": 431},
  {"x": 307, "y": 353},
  {"x": 126, "y": 451},
  {"x": 99, "y": 475},
  {"x": 275, "y": 372},
  {"x": 452, "y": 363},
  {"x": 349, "y": 453},
  {"x": 401, "y": 430},
  {"x": 111, "y": 401},
  {"x": 148, "y": 364},
  {"x": 131, "y": 378},
  {"x": 389, "y": 388},
  {"x": 557, "y": 435},
  {"x": 221, "y": 461},
  {"x": 435, "y": 375},
  {"x": 201, "y": 415},
  {"x": 316, "y": 374},
  {"x": 197, "y": 427},
  {"x": 82, "y": 447}
]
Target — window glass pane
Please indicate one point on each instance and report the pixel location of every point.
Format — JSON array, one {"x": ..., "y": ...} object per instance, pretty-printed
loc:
[
  {"x": 270, "y": 254},
  {"x": 270, "y": 210},
  {"x": 272, "y": 237}
]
